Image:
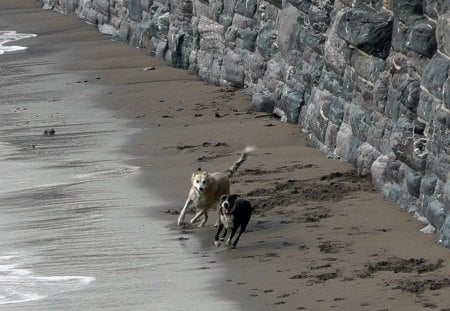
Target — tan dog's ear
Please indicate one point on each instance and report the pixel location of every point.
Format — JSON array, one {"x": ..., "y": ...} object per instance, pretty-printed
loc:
[{"x": 199, "y": 169}]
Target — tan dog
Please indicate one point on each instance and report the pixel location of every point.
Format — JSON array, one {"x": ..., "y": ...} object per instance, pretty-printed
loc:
[{"x": 207, "y": 188}]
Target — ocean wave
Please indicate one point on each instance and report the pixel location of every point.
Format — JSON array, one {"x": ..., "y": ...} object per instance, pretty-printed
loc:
[
  {"x": 19, "y": 285},
  {"x": 7, "y": 36}
]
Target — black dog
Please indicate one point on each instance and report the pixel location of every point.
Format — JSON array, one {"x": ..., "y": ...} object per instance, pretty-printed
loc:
[{"x": 234, "y": 213}]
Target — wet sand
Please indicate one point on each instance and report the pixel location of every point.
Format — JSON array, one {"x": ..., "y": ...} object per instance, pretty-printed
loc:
[{"x": 320, "y": 237}]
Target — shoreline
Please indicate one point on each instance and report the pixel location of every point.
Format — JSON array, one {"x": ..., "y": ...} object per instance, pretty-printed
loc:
[{"x": 304, "y": 249}]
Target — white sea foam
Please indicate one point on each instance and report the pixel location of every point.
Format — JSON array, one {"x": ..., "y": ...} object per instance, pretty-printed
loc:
[
  {"x": 20, "y": 285},
  {"x": 10, "y": 36}
]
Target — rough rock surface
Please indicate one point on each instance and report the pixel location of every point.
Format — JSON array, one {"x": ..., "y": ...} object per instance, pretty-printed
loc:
[{"x": 368, "y": 80}]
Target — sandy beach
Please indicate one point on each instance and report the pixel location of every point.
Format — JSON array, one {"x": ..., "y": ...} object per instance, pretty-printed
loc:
[{"x": 320, "y": 237}]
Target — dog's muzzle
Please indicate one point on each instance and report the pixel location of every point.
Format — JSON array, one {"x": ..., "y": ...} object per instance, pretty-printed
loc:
[{"x": 226, "y": 207}]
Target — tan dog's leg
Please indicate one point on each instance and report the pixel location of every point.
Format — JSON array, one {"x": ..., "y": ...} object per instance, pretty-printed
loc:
[
  {"x": 198, "y": 215},
  {"x": 204, "y": 220},
  {"x": 188, "y": 203}
]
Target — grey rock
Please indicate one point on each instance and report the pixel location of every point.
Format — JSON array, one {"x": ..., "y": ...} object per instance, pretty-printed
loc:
[
  {"x": 413, "y": 180},
  {"x": 246, "y": 8},
  {"x": 435, "y": 75},
  {"x": 266, "y": 41},
  {"x": 365, "y": 156},
  {"x": 442, "y": 31},
  {"x": 379, "y": 174},
  {"x": 102, "y": 6},
  {"x": 422, "y": 39},
  {"x": 444, "y": 238},
  {"x": 319, "y": 18},
  {"x": 369, "y": 32},
  {"x": 287, "y": 31},
  {"x": 346, "y": 143},
  {"x": 233, "y": 69},
  {"x": 435, "y": 213},
  {"x": 263, "y": 102},
  {"x": 405, "y": 10}
]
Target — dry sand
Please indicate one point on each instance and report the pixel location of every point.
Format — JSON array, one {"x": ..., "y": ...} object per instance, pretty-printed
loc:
[{"x": 320, "y": 237}]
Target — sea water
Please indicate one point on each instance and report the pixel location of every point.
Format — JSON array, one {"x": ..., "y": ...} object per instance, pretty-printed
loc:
[
  {"x": 76, "y": 228},
  {"x": 7, "y": 36}
]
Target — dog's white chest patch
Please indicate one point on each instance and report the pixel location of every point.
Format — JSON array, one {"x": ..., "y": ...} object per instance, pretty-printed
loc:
[{"x": 227, "y": 220}]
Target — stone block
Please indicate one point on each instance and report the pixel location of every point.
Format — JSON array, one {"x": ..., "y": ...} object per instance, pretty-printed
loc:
[
  {"x": 380, "y": 92},
  {"x": 435, "y": 8},
  {"x": 444, "y": 238},
  {"x": 426, "y": 109},
  {"x": 246, "y": 7},
  {"x": 314, "y": 39},
  {"x": 435, "y": 75},
  {"x": 255, "y": 66},
  {"x": 428, "y": 185},
  {"x": 102, "y": 6},
  {"x": 379, "y": 174},
  {"x": 331, "y": 82},
  {"x": 319, "y": 18},
  {"x": 266, "y": 41},
  {"x": 371, "y": 33},
  {"x": 290, "y": 103},
  {"x": 247, "y": 38},
  {"x": 407, "y": 10},
  {"x": 134, "y": 10},
  {"x": 287, "y": 31},
  {"x": 146, "y": 4},
  {"x": 399, "y": 37},
  {"x": 211, "y": 35},
  {"x": 330, "y": 136},
  {"x": 379, "y": 133},
  {"x": 442, "y": 31},
  {"x": 90, "y": 16},
  {"x": 334, "y": 47},
  {"x": 446, "y": 195},
  {"x": 228, "y": 7},
  {"x": 367, "y": 66},
  {"x": 263, "y": 102},
  {"x": 233, "y": 69},
  {"x": 413, "y": 179},
  {"x": 242, "y": 22},
  {"x": 365, "y": 156},
  {"x": 122, "y": 34},
  {"x": 392, "y": 107},
  {"x": 359, "y": 122},
  {"x": 225, "y": 20},
  {"x": 422, "y": 38},
  {"x": 436, "y": 214},
  {"x": 302, "y": 5},
  {"x": 410, "y": 94},
  {"x": 346, "y": 143}
]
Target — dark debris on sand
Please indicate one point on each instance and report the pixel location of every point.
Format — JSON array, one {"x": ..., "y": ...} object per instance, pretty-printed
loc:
[{"x": 333, "y": 187}]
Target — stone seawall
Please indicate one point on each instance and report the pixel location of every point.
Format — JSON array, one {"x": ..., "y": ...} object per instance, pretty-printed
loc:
[{"x": 367, "y": 80}]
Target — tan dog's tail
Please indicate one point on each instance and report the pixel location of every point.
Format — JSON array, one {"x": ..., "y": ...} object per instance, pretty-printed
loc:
[{"x": 241, "y": 160}]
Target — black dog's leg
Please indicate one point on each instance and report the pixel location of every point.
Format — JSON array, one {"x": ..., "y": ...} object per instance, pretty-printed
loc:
[
  {"x": 241, "y": 230},
  {"x": 233, "y": 232},
  {"x": 216, "y": 238},
  {"x": 222, "y": 238}
]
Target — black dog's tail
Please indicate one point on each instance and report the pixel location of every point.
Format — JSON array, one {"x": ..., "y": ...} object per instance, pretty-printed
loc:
[{"x": 239, "y": 162}]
